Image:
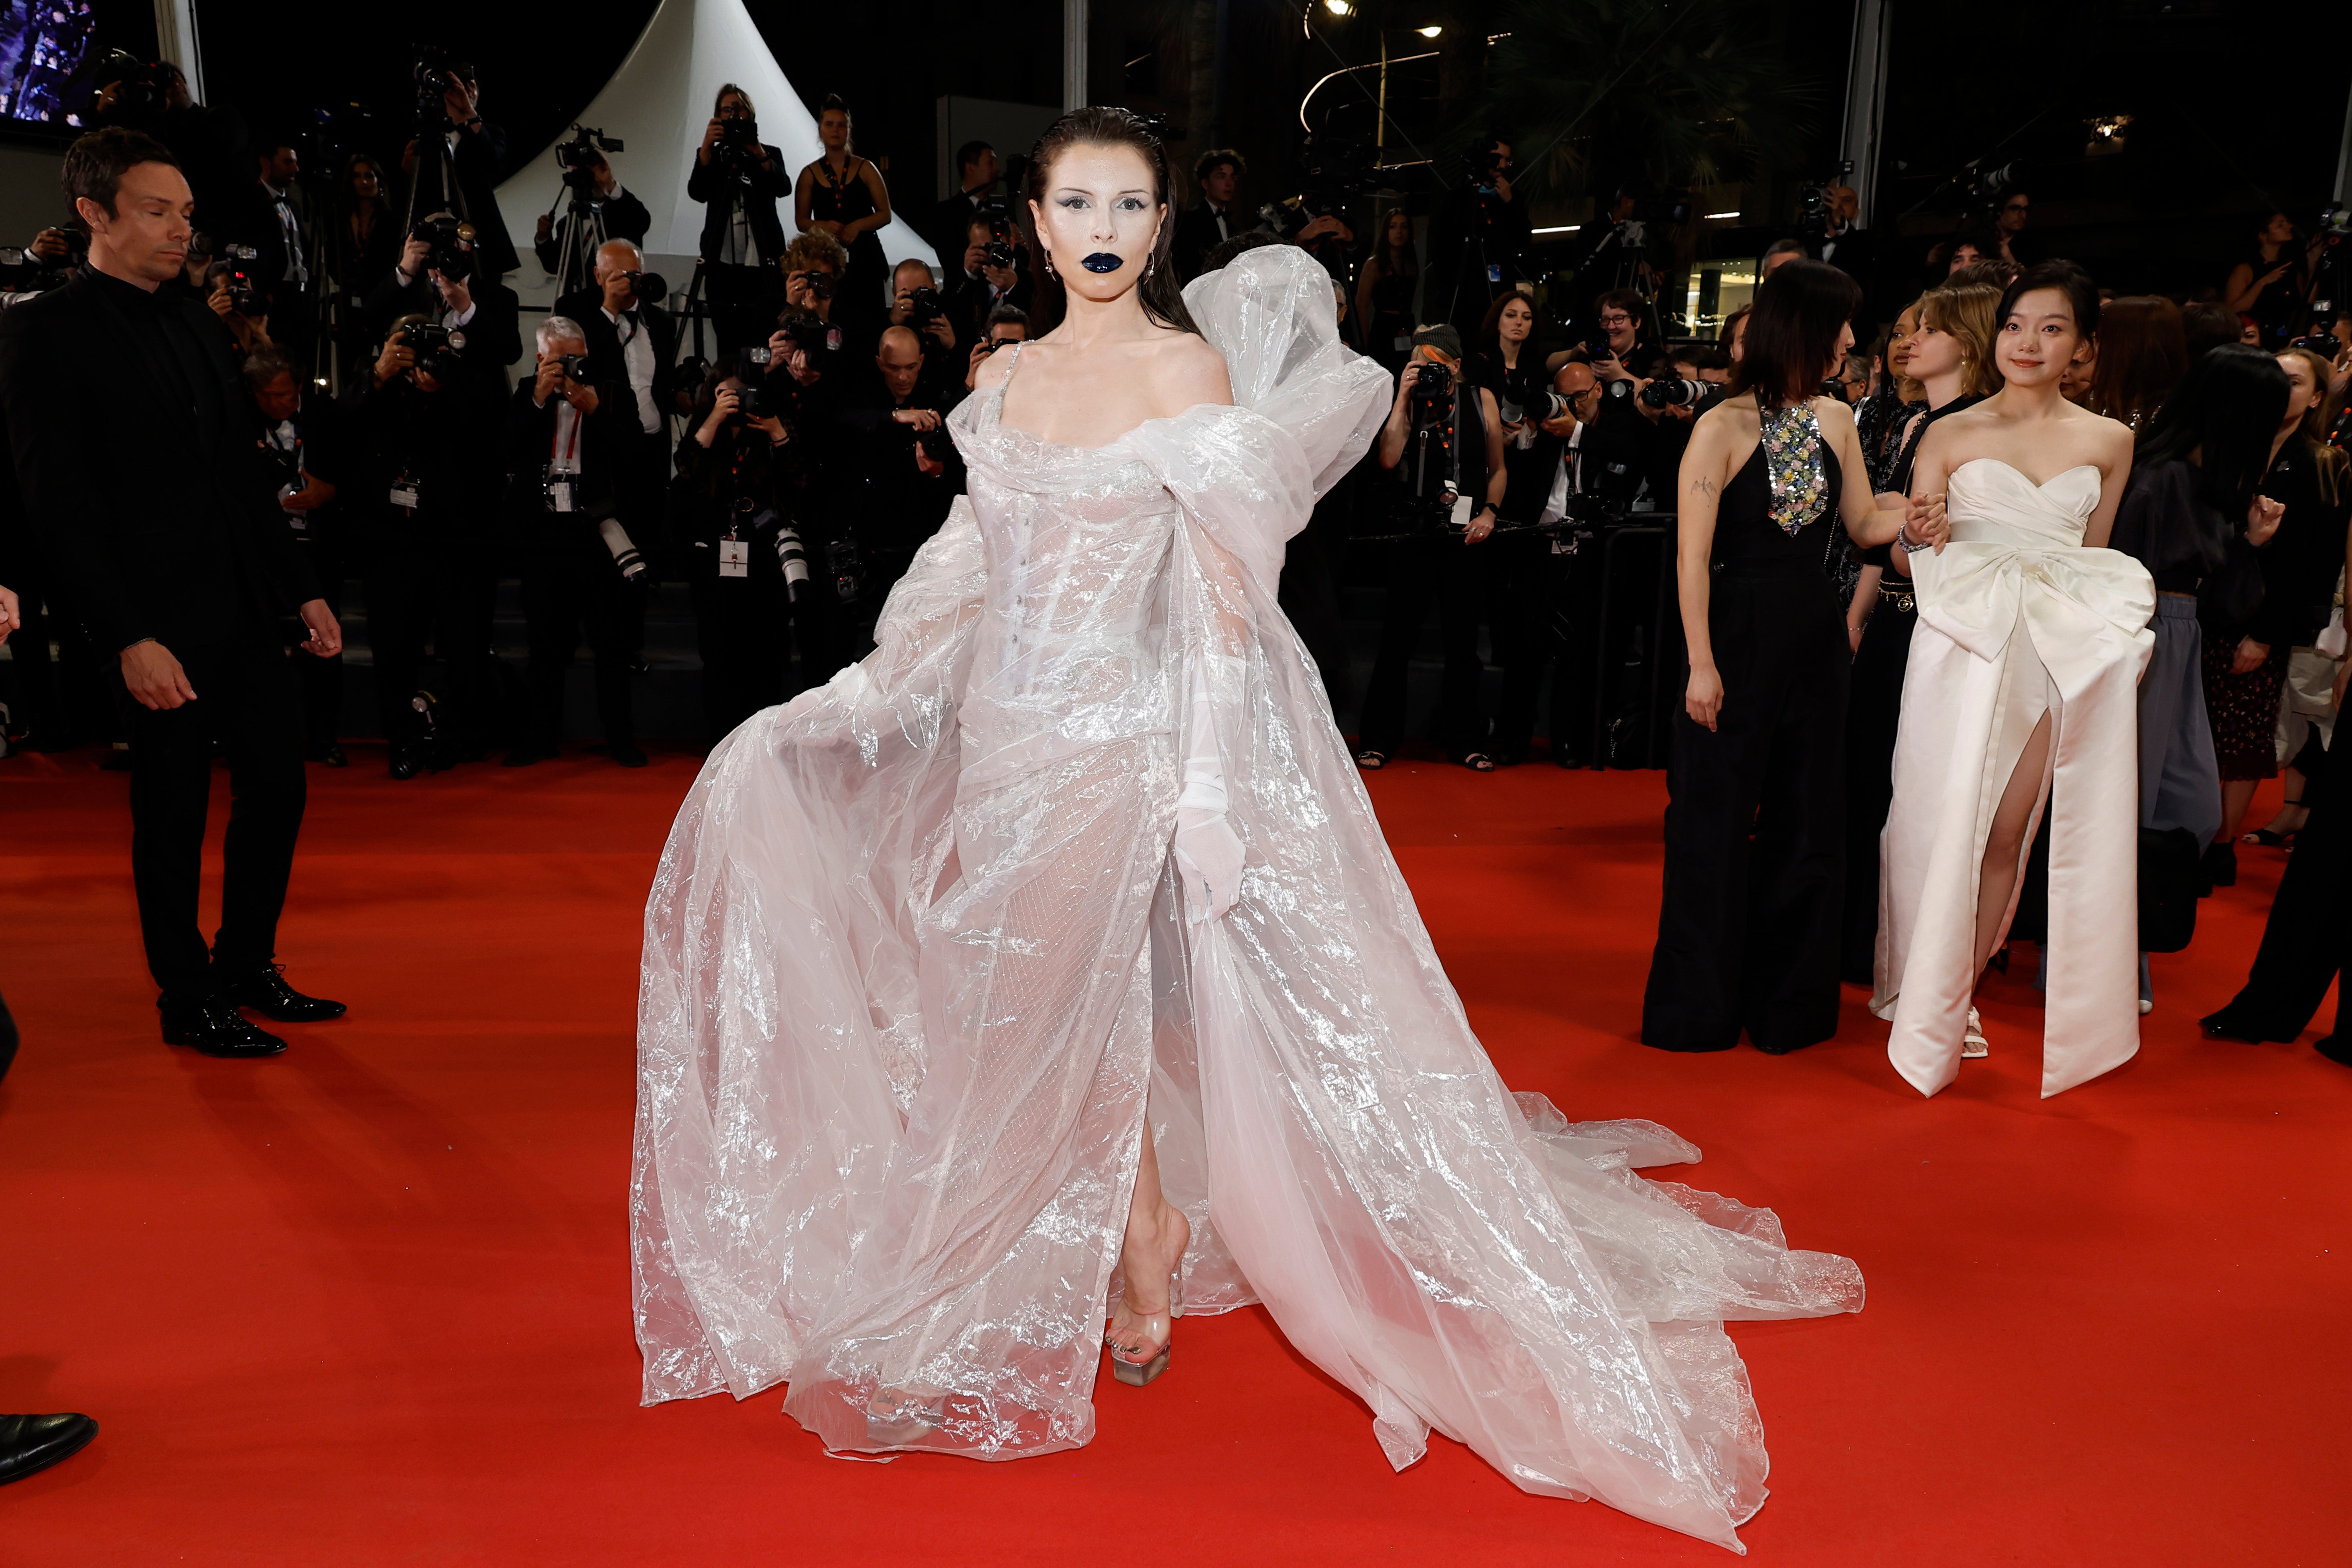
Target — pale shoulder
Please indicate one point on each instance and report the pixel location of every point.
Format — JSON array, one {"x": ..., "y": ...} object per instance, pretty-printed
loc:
[
  {"x": 1731, "y": 419},
  {"x": 1832, "y": 414},
  {"x": 2109, "y": 439},
  {"x": 1189, "y": 371},
  {"x": 995, "y": 368}
]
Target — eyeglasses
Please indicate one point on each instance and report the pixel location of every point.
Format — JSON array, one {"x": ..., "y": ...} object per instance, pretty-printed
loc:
[{"x": 1616, "y": 321}]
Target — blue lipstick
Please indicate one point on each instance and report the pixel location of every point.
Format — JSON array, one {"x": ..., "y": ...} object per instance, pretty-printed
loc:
[{"x": 1102, "y": 261}]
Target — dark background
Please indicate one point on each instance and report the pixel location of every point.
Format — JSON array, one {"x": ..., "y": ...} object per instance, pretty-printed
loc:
[{"x": 2227, "y": 121}]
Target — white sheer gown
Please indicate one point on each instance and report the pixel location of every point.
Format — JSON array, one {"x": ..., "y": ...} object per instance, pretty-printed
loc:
[
  {"x": 916, "y": 972},
  {"x": 2017, "y": 619}
]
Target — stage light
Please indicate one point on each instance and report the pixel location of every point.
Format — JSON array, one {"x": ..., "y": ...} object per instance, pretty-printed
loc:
[
  {"x": 1719, "y": 215},
  {"x": 1429, "y": 32},
  {"x": 1338, "y": 7}
]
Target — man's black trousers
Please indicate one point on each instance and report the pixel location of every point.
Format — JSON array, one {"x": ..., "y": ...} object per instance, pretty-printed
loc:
[
  {"x": 247, "y": 701},
  {"x": 570, "y": 586}
]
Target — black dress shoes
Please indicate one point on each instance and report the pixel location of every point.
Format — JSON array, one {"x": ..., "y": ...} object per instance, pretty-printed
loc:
[
  {"x": 216, "y": 1028},
  {"x": 30, "y": 1442},
  {"x": 266, "y": 991},
  {"x": 626, "y": 753}
]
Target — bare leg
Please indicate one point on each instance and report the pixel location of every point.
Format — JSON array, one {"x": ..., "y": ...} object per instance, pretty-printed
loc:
[
  {"x": 2236, "y": 795},
  {"x": 2292, "y": 814},
  {"x": 2005, "y": 842},
  {"x": 1157, "y": 1233}
]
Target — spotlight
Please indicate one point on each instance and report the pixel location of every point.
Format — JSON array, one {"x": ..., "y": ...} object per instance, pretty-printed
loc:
[
  {"x": 1429, "y": 32},
  {"x": 1339, "y": 7}
]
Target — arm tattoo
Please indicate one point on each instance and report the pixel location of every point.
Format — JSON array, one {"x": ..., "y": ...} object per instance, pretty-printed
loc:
[{"x": 1704, "y": 485}]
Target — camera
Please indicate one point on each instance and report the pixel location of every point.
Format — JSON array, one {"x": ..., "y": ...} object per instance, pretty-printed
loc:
[
  {"x": 1674, "y": 392},
  {"x": 738, "y": 147},
  {"x": 246, "y": 296},
  {"x": 451, "y": 243},
  {"x": 144, "y": 88},
  {"x": 924, "y": 306},
  {"x": 650, "y": 288},
  {"x": 756, "y": 401},
  {"x": 1813, "y": 201},
  {"x": 437, "y": 73},
  {"x": 1433, "y": 397},
  {"x": 1001, "y": 251},
  {"x": 820, "y": 284},
  {"x": 809, "y": 335},
  {"x": 848, "y": 573},
  {"x": 437, "y": 349},
  {"x": 581, "y": 155},
  {"x": 1333, "y": 171},
  {"x": 752, "y": 520}
]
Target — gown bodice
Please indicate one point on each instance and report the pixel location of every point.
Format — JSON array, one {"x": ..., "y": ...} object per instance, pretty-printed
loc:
[
  {"x": 2016, "y": 557},
  {"x": 1990, "y": 502}
]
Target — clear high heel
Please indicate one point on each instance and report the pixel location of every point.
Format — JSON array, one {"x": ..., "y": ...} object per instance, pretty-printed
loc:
[
  {"x": 1161, "y": 1327},
  {"x": 1972, "y": 1042}
]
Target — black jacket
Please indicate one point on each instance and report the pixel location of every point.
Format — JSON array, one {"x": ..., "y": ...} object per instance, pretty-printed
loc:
[
  {"x": 948, "y": 228},
  {"x": 398, "y": 431},
  {"x": 531, "y": 442},
  {"x": 256, "y": 225},
  {"x": 481, "y": 158},
  {"x": 757, "y": 189},
  {"x": 626, "y": 217},
  {"x": 156, "y": 518},
  {"x": 493, "y": 338},
  {"x": 1196, "y": 236},
  {"x": 608, "y": 371}
]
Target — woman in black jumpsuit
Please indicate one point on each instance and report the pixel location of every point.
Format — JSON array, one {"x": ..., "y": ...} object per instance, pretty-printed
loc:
[{"x": 1755, "y": 862}]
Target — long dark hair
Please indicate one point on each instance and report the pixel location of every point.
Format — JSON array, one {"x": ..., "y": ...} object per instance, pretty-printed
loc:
[
  {"x": 2229, "y": 405},
  {"x": 2143, "y": 354},
  {"x": 1793, "y": 332},
  {"x": 1490, "y": 330},
  {"x": 1102, "y": 125}
]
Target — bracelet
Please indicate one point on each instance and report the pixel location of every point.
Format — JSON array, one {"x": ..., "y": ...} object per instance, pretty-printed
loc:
[{"x": 1903, "y": 538}]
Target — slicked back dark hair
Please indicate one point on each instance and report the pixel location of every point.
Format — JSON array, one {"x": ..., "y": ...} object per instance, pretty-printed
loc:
[
  {"x": 1104, "y": 125},
  {"x": 96, "y": 163},
  {"x": 1793, "y": 332}
]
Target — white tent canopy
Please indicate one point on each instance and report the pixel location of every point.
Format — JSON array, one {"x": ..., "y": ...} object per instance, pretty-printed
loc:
[{"x": 658, "y": 103}]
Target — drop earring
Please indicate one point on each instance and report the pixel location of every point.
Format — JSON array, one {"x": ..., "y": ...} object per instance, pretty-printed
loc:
[{"x": 1049, "y": 266}]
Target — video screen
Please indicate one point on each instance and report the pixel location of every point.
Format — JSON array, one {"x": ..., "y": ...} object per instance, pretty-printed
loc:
[{"x": 44, "y": 46}]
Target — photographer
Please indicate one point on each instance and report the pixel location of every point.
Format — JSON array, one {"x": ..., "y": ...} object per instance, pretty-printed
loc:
[
  {"x": 1476, "y": 238},
  {"x": 917, "y": 305},
  {"x": 1006, "y": 324},
  {"x": 276, "y": 226},
  {"x": 580, "y": 570},
  {"x": 2272, "y": 284},
  {"x": 205, "y": 142},
  {"x": 164, "y": 540},
  {"x": 1549, "y": 604},
  {"x": 418, "y": 484},
  {"x": 1201, "y": 227},
  {"x": 1444, "y": 440},
  {"x": 976, "y": 170},
  {"x": 756, "y": 577},
  {"x": 366, "y": 242},
  {"x": 1844, "y": 244},
  {"x": 1619, "y": 449},
  {"x": 438, "y": 277},
  {"x": 2009, "y": 228},
  {"x": 738, "y": 179},
  {"x": 303, "y": 435},
  {"x": 813, "y": 265},
  {"x": 477, "y": 151},
  {"x": 598, "y": 211},
  {"x": 889, "y": 475},
  {"x": 234, "y": 292},
  {"x": 993, "y": 274}
]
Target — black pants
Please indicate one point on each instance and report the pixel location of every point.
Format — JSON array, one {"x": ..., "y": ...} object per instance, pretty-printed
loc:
[
  {"x": 1445, "y": 569},
  {"x": 743, "y": 632},
  {"x": 1747, "y": 927},
  {"x": 248, "y": 703},
  {"x": 2308, "y": 936},
  {"x": 743, "y": 303},
  {"x": 1308, "y": 594},
  {"x": 1547, "y": 616},
  {"x": 432, "y": 587},
  {"x": 570, "y": 586},
  {"x": 60, "y": 701},
  {"x": 1874, "y": 713}
]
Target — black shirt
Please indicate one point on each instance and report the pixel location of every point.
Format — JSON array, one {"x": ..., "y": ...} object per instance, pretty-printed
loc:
[{"x": 171, "y": 348}]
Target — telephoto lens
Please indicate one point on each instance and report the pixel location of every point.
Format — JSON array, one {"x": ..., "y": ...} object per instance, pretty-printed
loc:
[
  {"x": 793, "y": 556},
  {"x": 624, "y": 553},
  {"x": 1669, "y": 392}
]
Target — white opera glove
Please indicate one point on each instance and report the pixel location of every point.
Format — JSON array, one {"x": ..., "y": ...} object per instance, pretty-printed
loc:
[{"x": 1209, "y": 853}]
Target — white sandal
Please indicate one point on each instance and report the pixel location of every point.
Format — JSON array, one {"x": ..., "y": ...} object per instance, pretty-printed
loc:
[{"x": 1972, "y": 1043}]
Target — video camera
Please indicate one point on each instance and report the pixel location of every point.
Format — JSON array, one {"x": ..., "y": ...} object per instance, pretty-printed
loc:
[
  {"x": 738, "y": 147},
  {"x": 438, "y": 72},
  {"x": 248, "y": 296},
  {"x": 452, "y": 244},
  {"x": 1334, "y": 170},
  {"x": 582, "y": 153}
]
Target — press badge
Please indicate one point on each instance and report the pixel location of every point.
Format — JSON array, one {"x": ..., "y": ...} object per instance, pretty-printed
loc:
[
  {"x": 1493, "y": 272},
  {"x": 1462, "y": 510},
  {"x": 558, "y": 495},
  {"x": 734, "y": 558},
  {"x": 404, "y": 493}
]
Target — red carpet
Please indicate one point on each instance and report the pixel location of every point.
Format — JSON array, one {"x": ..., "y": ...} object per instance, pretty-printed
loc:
[{"x": 368, "y": 1302}]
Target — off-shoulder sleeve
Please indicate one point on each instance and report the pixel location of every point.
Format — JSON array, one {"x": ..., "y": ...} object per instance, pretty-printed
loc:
[{"x": 1270, "y": 314}]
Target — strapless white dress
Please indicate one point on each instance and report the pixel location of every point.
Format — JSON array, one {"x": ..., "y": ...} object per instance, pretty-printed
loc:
[
  {"x": 2017, "y": 619},
  {"x": 916, "y": 977}
]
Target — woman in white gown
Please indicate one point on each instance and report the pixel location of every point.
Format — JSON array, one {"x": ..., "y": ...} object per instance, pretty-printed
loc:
[
  {"x": 2021, "y": 694},
  {"x": 1053, "y": 951}
]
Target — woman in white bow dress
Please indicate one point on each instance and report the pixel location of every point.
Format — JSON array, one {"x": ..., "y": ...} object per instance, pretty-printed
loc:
[
  {"x": 2021, "y": 695},
  {"x": 1049, "y": 964}
]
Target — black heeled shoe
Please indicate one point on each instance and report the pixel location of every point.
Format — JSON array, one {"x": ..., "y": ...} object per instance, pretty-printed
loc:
[
  {"x": 29, "y": 1444},
  {"x": 266, "y": 991},
  {"x": 216, "y": 1028}
]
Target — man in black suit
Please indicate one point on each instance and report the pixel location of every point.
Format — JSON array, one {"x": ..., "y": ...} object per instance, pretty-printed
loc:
[
  {"x": 976, "y": 174},
  {"x": 565, "y": 439},
  {"x": 277, "y": 227},
  {"x": 1844, "y": 244},
  {"x": 478, "y": 151},
  {"x": 146, "y": 489},
  {"x": 451, "y": 291},
  {"x": 1201, "y": 229},
  {"x": 605, "y": 211},
  {"x": 740, "y": 179}
]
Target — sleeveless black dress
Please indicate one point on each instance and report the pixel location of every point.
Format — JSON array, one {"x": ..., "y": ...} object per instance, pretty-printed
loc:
[
  {"x": 844, "y": 202},
  {"x": 1747, "y": 925}
]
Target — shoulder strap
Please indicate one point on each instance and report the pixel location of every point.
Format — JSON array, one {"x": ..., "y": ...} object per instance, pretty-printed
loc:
[{"x": 1013, "y": 370}]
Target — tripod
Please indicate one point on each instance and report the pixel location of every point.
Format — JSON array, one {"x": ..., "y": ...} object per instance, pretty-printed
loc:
[
  {"x": 584, "y": 236},
  {"x": 451, "y": 194}
]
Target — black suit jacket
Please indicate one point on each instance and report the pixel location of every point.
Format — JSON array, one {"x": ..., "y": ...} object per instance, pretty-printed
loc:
[
  {"x": 1196, "y": 236},
  {"x": 949, "y": 230},
  {"x": 493, "y": 338},
  {"x": 760, "y": 189},
  {"x": 608, "y": 370},
  {"x": 626, "y": 217},
  {"x": 156, "y": 519},
  {"x": 256, "y": 225}
]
